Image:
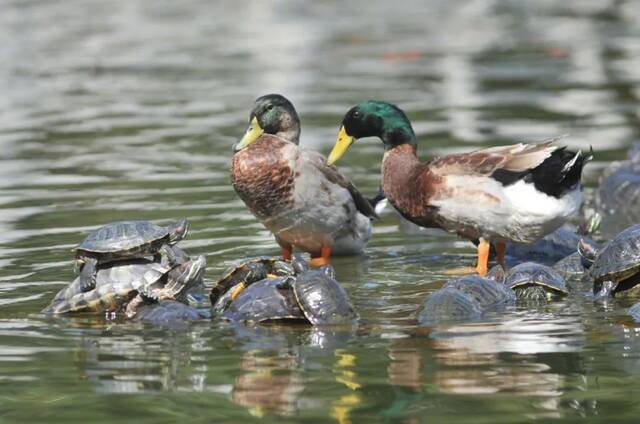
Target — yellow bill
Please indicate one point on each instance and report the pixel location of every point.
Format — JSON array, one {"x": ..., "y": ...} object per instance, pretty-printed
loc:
[
  {"x": 343, "y": 143},
  {"x": 253, "y": 133}
]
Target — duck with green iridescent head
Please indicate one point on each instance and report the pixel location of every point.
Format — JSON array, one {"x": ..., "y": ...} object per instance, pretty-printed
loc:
[
  {"x": 515, "y": 193},
  {"x": 304, "y": 202}
]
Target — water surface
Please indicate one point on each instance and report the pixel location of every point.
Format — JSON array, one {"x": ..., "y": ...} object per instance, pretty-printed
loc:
[{"x": 119, "y": 110}]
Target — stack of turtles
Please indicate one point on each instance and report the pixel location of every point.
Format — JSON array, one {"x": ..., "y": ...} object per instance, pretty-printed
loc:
[
  {"x": 127, "y": 264},
  {"x": 270, "y": 289}
]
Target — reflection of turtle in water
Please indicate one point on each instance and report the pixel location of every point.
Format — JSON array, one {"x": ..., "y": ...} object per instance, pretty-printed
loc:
[
  {"x": 304, "y": 294},
  {"x": 129, "y": 284},
  {"x": 615, "y": 267},
  {"x": 125, "y": 240},
  {"x": 532, "y": 281},
  {"x": 465, "y": 298}
]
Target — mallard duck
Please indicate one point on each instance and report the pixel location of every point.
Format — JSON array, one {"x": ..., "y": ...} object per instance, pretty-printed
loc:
[
  {"x": 304, "y": 202},
  {"x": 516, "y": 193}
]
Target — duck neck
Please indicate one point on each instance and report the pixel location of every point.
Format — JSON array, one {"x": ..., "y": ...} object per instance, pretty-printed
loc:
[{"x": 399, "y": 169}]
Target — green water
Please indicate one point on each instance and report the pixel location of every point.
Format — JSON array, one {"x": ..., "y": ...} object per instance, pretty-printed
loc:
[{"x": 119, "y": 110}]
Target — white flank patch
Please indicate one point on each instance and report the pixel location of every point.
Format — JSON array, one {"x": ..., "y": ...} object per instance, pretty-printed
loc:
[{"x": 514, "y": 213}]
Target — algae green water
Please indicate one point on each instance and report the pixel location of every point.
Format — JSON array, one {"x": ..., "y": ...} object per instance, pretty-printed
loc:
[{"x": 119, "y": 110}]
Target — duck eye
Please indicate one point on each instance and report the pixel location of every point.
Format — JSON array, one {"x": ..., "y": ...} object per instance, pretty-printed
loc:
[
  {"x": 269, "y": 107},
  {"x": 356, "y": 114}
]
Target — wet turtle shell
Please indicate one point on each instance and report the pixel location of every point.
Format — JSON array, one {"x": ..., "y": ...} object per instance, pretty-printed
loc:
[
  {"x": 634, "y": 311},
  {"x": 322, "y": 299},
  {"x": 464, "y": 298},
  {"x": 169, "y": 313},
  {"x": 249, "y": 271},
  {"x": 120, "y": 282},
  {"x": 127, "y": 239},
  {"x": 571, "y": 267},
  {"x": 116, "y": 284},
  {"x": 269, "y": 299},
  {"x": 484, "y": 292},
  {"x": 448, "y": 304},
  {"x": 530, "y": 280},
  {"x": 618, "y": 261}
]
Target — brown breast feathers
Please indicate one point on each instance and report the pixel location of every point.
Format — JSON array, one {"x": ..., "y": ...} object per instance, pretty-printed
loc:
[{"x": 262, "y": 176}]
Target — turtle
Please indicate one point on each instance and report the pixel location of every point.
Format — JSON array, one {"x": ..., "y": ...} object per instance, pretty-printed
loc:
[
  {"x": 312, "y": 295},
  {"x": 247, "y": 272},
  {"x": 618, "y": 194},
  {"x": 465, "y": 298},
  {"x": 615, "y": 267},
  {"x": 557, "y": 245},
  {"x": 533, "y": 281},
  {"x": 634, "y": 311},
  {"x": 169, "y": 313},
  {"x": 125, "y": 240},
  {"x": 128, "y": 285}
]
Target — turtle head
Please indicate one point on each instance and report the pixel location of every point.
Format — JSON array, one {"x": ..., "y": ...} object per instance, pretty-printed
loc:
[
  {"x": 189, "y": 275},
  {"x": 373, "y": 118},
  {"x": 177, "y": 231},
  {"x": 271, "y": 114},
  {"x": 603, "y": 289},
  {"x": 588, "y": 253}
]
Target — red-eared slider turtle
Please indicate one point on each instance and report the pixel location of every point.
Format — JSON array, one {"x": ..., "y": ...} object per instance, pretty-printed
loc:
[
  {"x": 128, "y": 284},
  {"x": 616, "y": 266},
  {"x": 618, "y": 193},
  {"x": 313, "y": 295},
  {"x": 533, "y": 281},
  {"x": 634, "y": 311},
  {"x": 465, "y": 298},
  {"x": 169, "y": 313},
  {"x": 125, "y": 240},
  {"x": 270, "y": 299},
  {"x": 247, "y": 272},
  {"x": 556, "y": 245}
]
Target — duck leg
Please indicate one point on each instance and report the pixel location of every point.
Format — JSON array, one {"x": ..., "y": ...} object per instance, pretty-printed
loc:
[
  {"x": 483, "y": 257},
  {"x": 501, "y": 249},
  {"x": 323, "y": 259},
  {"x": 287, "y": 249}
]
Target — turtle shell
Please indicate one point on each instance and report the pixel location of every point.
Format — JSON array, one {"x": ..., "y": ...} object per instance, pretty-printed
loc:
[
  {"x": 531, "y": 274},
  {"x": 116, "y": 284},
  {"x": 571, "y": 267},
  {"x": 266, "y": 300},
  {"x": 169, "y": 313},
  {"x": 322, "y": 299},
  {"x": 485, "y": 293},
  {"x": 124, "y": 236},
  {"x": 249, "y": 271},
  {"x": 620, "y": 258},
  {"x": 447, "y": 304}
]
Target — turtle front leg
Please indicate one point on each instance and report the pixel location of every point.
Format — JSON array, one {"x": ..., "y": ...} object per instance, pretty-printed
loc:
[
  {"x": 132, "y": 307},
  {"x": 173, "y": 258},
  {"x": 88, "y": 272},
  {"x": 603, "y": 290}
]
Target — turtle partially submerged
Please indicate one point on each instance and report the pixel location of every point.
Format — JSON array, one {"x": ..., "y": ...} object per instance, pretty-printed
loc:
[
  {"x": 465, "y": 298},
  {"x": 533, "y": 281},
  {"x": 311, "y": 295},
  {"x": 557, "y": 245},
  {"x": 618, "y": 193},
  {"x": 615, "y": 267},
  {"x": 236, "y": 278},
  {"x": 169, "y": 313},
  {"x": 125, "y": 240},
  {"x": 128, "y": 285}
]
